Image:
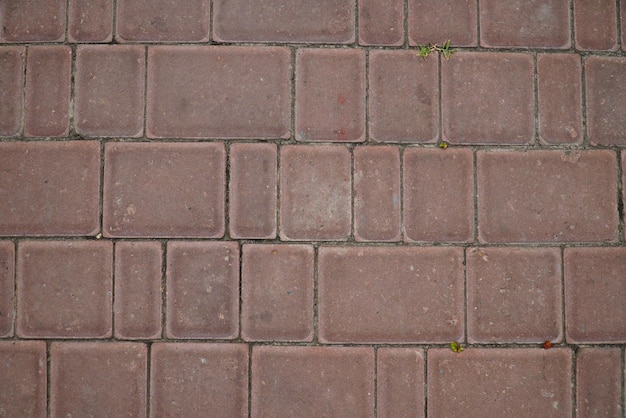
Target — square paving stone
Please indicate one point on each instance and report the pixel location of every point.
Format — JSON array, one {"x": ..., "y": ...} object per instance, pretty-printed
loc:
[
  {"x": 90, "y": 21},
  {"x": 95, "y": 377},
  {"x": 435, "y": 22},
  {"x": 7, "y": 288},
  {"x": 390, "y": 294},
  {"x": 253, "y": 190},
  {"x": 517, "y": 382},
  {"x": 559, "y": 96},
  {"x": 438, "y": 194},
  {"x": 598, "y": 378},
  {"x": 23, "y": 379},
  {"x": 109, "y": 90},
  {"x": 64, "y": 289},
  {"x": 48, "y": 78},
  {"x": 11, "y": 83},
  {"x": 605, "y": 84},
  {"x": 199, "y": 380},
  {"x": 315, "y": 201},
  {"x": 32, "y": 20},
  {"x": 511, "y": 23},
  {"x": 595, "y": 295},
  {"x": 488, "y": 98},
  {"x": 49, "y": 188},
  {"x": 202, "y": 290},
  {"x": 218, "y": 92},
  {"x": 377, "y": 208},
  {"x": 138, "y": 282},
  {"x": 547, "y": 196},
  {"x": 381, "y": 23},
  {"x": 514, "y": 295},
  {"x": 400, "y": 382},
  {"x": 330, "y": 104},
  {"x": 322, "y": 21},
  {"x": 403, "y": 97},
  {"x": 163, "y": 20},
  {"x": 595, "y": 25},
  {"x": 339, "y": 382},
  {"x": 164, "y": 190},
  {"x": 277, "y": 292}
]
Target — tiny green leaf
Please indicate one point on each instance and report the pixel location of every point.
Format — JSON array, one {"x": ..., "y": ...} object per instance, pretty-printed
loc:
[{"x": 456, "y": 347}]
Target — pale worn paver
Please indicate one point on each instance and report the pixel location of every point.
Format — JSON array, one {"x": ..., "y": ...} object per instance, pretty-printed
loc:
[
  {"x": 595, "y": 25},
  {"x": 32, "y": 20},
  {"x": 381, "y": 23},
  {"x": 437, "y": 22},
  {"x": 598, "y": 382},
  {"x": 400, "y": 382},
  {"x": 90, "y": 21},
  {"x": 12, "y": 59}
]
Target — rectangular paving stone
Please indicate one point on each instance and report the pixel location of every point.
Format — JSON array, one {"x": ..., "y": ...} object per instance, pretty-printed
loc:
[
  {"x": 48, "y": 78},
  {"x": 516, "y": 382},
  {"x": 202, "y": 290},
  {"x": 7, "y": 288},
  {"x": 324, "y": 21},
  {"x": 339, "y": 381},
  {"x": 547, "y": 196},
  {"x": 598, "y": 386},
  {"x": 605, "y": 85},
  {"x": 315, "y": 201},
  {"x": 400, "y": 382},
  {"x": 595, "y": 25},
  {"x": 109, "y": 90},
  {"x": 435, "y": 22},
  {"x": 438, "y": 194},
  {"x": 277, "y": 292},
  {"x": 163, "y": 20},
  {"x": 390, "y": 294},
  {"x": 32, "y": 21},
  {"x": 330, "y": 104},
  {"x": 377, "y": 208},
  {"x": 138, "y": 282},
  {"x": 164, "y": 190},
  {"x": 90, "y": 21},
  {"x": 23, "y": 378},
  {"x": 514, "y": 295},
  {"x": 403, "y": 97},
  {"x": 49, "y": 188},
  {"x": 488, "y": 98},
  {"x": 559, "y": 97},
  {"x": 595, "y": 295},
  {"x": 381, "y": 23},
  {"x": 253, "y": 190},
  {"x": 510, "y": 23},
  {"x": 11, "y": 82},
  {"x": 199, "y": 380},
  {"x": 218, "y": 92},
  {"x": 64, "y": 289},
  {"x": 107, "y": 378}
]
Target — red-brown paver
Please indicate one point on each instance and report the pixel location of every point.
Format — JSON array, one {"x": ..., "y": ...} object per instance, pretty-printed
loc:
[
  {"x": 58, "y": 184},
  {"x": 381, "y": 23},
  {"x": 598, "y": 382},
  {"x": 90, "y": 21},
  {"x": 595, "y": 25},
  {"x": 89, "y": 377},
  {"x": 64, "y": 289},
  {"x": 32, "y": 20},
  {"x": 390, "y": 294},
  {"x": 595, "y": 295},
  {"x": 7, "y": 288},
  {"x": 437, "y": 22},
  {"x": 23, "y": 378},
  {"x": 202, "y": 290},
  {"x": 528, "y": 382},
  {"x": 164, "y": 190},
  {"x": 400, "y": 382},
  {"x": 547, "y": 196},
  {"x": 195, "y": 379},
  {"x": 11, "y": 81},
  {"x": 277, "y": 292},
  {"x": 339, "y": 381},
  {"x": 403, "y": 97}
]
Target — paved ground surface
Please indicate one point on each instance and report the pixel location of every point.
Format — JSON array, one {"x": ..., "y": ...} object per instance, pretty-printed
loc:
[{"x": 278, "y": 209}]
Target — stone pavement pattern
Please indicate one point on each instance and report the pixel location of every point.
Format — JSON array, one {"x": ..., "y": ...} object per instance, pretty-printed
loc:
[{"x": 278, "y": 208}]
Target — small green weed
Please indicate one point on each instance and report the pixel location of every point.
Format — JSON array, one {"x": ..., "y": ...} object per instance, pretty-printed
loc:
[
  {"x": 456, "y": 347},
  {"x": 426, "y": 50}
]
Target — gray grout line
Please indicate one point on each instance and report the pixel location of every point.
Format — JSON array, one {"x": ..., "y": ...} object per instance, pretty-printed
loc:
[
  {"x": 375, "y": 390},
  {"x": 163, "y": 289},
  {"x": 574, "y": 400},
  {"x": 315, "y": 294},
  {"x": 48, "y": 379}
]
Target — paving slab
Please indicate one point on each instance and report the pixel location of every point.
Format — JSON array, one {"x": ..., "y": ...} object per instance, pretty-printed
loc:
[
  {"x": 339, "y": 383},
  {"x": 110, "y": 378},
  {"x": 390, "y": 294},
  {"x": 164, "y": 190},
  {"x": 90, "y": 21},
  {"x": 23, "y": 378},
  {"x": 381, "y": 23},
  {"x": 11, "y": 81},
  {"x": 437, "y": 22},
  {"x": 598, "y": 378},
  {"x": 32, "y": 20},
  {"x": 526, "y": 382},
  {"x": 595, "y": 25},
  {"x": 400, "y": 385},
  {"x": 49, "y": 188},
  {"x": 196, "y": 379},
  {"x": 64, "y": 289},
  {"x": 7, "y": 288},
  {"x": 277, "y": 292}
]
